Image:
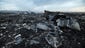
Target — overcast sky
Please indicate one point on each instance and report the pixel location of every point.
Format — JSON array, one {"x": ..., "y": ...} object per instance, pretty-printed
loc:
[{"x": 41, "y": 5}]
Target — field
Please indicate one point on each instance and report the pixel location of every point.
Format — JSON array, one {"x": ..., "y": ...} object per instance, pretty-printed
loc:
[{"x": 23, "y": 24}]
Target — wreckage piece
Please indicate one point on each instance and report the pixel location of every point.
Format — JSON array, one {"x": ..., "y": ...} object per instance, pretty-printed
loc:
[
  {"x": 76, "y": 26},
  {"x": 60, "y": 19},
  {"x": 34, "y": 42},
  {"x": 42, "y": 26},
  {"x": 18, "y": 39},
  {"x": 45, "y": 27},
  {"x": 68, "y": 22},
  {"x": 53, "y": 15},
  {"x": 53, "y": 39},
  {"x": 58, "y": 16},
  {"x": 37, "y": 26}
]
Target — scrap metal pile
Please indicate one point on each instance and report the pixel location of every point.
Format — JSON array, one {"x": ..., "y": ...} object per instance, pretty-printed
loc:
[{"x": 50, "y": 30}]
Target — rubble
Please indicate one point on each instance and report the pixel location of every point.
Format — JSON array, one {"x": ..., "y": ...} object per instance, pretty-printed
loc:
[
  {"x": 46, "y": 30},
  {"x": 68, "y": 22}
]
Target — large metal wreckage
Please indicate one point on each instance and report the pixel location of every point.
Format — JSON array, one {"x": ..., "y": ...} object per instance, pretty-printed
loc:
[{"x": 62, "y": 20}]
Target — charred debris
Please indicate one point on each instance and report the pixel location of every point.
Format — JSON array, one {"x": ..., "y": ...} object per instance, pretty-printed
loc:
[{"x": 22, "y": 29}]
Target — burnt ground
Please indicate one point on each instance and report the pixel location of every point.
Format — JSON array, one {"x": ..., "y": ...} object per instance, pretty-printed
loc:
[{"x": 10, "y": 23}]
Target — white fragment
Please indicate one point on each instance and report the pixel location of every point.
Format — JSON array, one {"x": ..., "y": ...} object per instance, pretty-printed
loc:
[
  {"x": 42, "y": 26},
  {"x": 18, "y": 35}
]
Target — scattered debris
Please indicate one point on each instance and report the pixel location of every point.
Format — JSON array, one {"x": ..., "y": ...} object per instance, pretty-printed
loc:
[{"x": 48, "y": 30}]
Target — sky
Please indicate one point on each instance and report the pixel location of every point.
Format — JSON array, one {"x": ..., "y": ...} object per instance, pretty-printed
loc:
[{"x": 41, "y": 5}]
